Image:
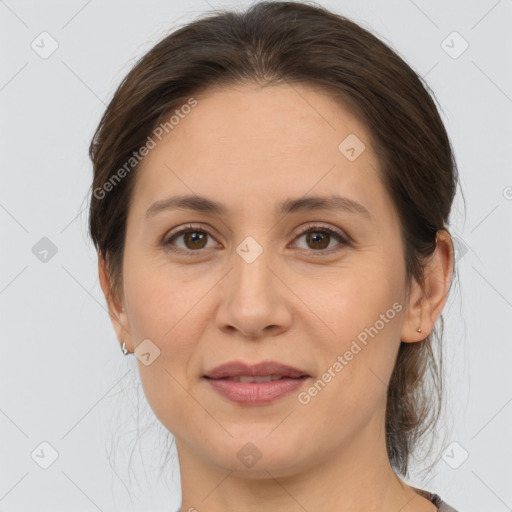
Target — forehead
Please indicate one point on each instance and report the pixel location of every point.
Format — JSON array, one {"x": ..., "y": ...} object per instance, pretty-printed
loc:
[
  {"x": 232, "y": 121},
  {"x": 280, "y": 140}
]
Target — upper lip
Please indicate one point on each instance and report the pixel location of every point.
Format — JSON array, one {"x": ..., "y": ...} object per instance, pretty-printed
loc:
[{"x": 237, "y": 368}]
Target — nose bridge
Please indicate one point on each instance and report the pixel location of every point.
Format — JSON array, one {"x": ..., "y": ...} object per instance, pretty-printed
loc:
[{"x": 252, "y": 277}]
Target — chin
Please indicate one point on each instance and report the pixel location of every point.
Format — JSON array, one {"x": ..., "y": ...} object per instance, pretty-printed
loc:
[{"x": 255, "y": 455}]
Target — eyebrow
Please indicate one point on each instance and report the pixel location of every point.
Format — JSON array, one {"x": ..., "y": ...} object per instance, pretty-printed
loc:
[{"x": 196, "y": 203}]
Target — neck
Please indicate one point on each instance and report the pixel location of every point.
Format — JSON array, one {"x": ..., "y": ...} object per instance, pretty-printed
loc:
[{"x": 357, "y": 477}]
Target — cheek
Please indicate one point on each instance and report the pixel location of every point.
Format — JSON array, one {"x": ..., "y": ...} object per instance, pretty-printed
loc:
[
  {"x": 362, "y": 304},
  {"x": 163, "y": 311},
  {"x": 351, "y": 387},
  {"x": 363, "y": 314},
  {"x": 156, "y": 300}
]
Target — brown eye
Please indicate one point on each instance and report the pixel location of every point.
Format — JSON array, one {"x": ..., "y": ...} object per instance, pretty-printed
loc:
[
  {"x": 193, "y": 240},
  {"x": 318, "y": 239}
]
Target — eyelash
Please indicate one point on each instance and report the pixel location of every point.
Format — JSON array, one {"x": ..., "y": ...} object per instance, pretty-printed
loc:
[{"x": 344, "y": 241}]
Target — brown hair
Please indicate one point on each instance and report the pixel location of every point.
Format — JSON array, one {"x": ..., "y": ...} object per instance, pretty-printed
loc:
[{"x": 292, "y": 42}]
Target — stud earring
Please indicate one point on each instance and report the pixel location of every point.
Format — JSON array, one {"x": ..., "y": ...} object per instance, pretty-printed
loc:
[{"x": 418, "y": 329}]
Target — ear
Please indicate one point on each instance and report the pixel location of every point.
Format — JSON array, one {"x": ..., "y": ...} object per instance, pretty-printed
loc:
[
  {"x": 116, "y": 310},
  {"x": 426, "y": 303}
]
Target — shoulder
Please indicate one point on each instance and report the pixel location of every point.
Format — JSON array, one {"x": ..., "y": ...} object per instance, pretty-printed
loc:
[
  {"x": 444, "y": 507},
  {"x": 436, "y": 500}
]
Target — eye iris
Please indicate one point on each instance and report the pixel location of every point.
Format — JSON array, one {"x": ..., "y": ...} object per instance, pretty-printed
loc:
[
  {"x": 195, "y": 236},
  {"x": 315, "y": 236}
]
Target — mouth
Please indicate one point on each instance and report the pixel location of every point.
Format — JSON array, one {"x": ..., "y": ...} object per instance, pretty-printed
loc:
[{"x": 257, "y": 384}]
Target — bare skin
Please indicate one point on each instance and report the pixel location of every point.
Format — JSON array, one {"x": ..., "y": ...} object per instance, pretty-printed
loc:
[{"x": 250, "y": 148}]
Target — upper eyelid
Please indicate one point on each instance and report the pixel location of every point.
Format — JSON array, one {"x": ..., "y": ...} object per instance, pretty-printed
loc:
[{"x": 319, "y": 225}]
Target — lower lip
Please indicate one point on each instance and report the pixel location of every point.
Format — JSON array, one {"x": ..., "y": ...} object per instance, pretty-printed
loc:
[{"x": 256, "y": 393}]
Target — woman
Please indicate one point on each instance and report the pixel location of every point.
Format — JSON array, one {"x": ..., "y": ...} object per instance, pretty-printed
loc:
[{"x": 270, "y": 204}]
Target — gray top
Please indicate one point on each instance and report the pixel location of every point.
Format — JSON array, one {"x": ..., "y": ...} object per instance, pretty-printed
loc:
[{"x": 435, "y": 499}]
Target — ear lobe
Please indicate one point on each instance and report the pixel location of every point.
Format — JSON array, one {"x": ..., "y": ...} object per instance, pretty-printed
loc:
[
  {"x": 116, "y": 311},
  {"x": 426, "y": 304},
  {"x": 414, "y": 315}
]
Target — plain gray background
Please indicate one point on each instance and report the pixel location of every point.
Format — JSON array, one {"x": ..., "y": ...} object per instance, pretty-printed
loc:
[{"x": 64, "y": 380}]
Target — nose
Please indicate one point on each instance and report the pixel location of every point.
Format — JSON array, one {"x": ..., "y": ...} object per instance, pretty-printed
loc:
[{"x": 254, "y": 299}]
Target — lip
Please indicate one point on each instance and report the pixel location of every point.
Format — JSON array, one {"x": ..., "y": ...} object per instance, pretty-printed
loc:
[
  {"x": 255, "y": 393},
  {"x": 237, "y": 368}
]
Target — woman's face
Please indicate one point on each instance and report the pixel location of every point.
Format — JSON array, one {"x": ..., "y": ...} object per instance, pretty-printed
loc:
[{"x": 255, "y": 286}]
